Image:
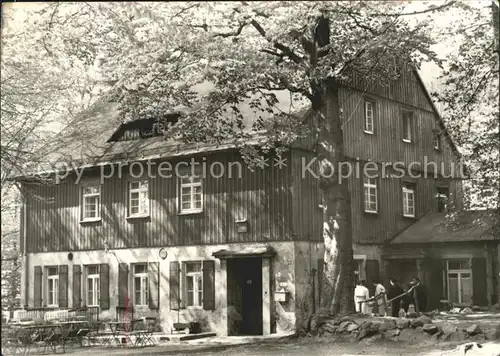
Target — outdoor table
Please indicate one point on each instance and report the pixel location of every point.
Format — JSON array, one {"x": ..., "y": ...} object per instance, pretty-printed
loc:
[
  {"x": 75, "y": 330},
  {"x": 116, "y": 328},
  {"x": 39, "y": 331},
  {"x": 47, "y": 333}
]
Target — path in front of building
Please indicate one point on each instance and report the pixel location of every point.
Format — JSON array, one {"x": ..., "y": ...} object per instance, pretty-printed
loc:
[{"x": 297, "y": 347}]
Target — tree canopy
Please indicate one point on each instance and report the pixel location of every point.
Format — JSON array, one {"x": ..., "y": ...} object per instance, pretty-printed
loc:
[
  {"x": 154, "y": 57},
  {"x": 470, "y": 99}
]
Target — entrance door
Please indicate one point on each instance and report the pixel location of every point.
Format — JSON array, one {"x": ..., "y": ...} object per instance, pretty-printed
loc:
[
  {"x": 245, "y": 294},
  {"x": 460, "y": 281}
]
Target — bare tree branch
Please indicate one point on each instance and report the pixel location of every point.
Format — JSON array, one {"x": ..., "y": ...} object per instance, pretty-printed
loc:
[
  {"x": 184, "y": 10},
  {"x": 231, "y": 34}
]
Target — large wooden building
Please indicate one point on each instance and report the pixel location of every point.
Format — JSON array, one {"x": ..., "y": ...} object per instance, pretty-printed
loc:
[{"x": 238, "y": 250}]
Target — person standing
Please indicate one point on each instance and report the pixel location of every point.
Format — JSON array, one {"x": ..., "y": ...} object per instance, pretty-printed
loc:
[
  {"x": 361, "y": 294},
  {"x": 394, "y": 291},
  {"x": 380, "y": 298},
  {"x": 407, "y": 299},
  {"x": 419, "y": 295}
]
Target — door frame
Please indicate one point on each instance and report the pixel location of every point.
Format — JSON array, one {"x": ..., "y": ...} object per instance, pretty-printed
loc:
[
  {"x": 459, "y": 273},
  {"x": 262, "y": 320}
]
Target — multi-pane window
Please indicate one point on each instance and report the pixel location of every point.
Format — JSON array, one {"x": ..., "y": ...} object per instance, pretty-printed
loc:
[
  {"x": 460, "y": 285},
  {"x": 191, "y": 194},
  {"x": 369, "y": 121},
  {"x": 407, "y": 118},
  {"x": 138, "y": 198},
  {"x": 141, "y": 284},
  {"x": 194, "y": 284},
  {"x": 93, "y": 285},
  {"x": 370, "y": 189},
  {"x": 52, "y": 286},
  {"x": 408, "y": 200},
  {"x": 91, "y": 202}
]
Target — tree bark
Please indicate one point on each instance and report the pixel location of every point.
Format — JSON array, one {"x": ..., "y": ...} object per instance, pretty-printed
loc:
[{"x": 337, "y": 286}]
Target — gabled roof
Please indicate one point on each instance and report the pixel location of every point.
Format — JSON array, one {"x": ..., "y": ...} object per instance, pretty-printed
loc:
[
  {"x": 438, "y": 115},
  {"x": 468, "y": 226},
  {"x": 85, "y": 142}
]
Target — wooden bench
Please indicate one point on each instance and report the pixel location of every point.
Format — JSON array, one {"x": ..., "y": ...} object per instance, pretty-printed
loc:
[{"x": 193, "y": 327}]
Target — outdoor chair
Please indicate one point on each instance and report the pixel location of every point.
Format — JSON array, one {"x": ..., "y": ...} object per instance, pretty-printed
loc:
[
  {"x": 103, "y": 335},
  {"x": 83, "y": 335},
  {"x": 150, "y": 325},
  {"x": 25, "y": 342},
  {"x": 142, "y": 331},
  {"x": 57, "y": 337},
  {"x": 10, "y": 342},
  {"x": 72, "y": 337}
]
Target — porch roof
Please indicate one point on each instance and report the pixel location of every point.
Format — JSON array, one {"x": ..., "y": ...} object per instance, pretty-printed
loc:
[
  {"x": 245, "y": 252},
  {"x": 466, "y": 226}
]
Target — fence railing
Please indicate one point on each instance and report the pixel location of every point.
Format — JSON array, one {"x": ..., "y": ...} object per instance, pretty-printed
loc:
[{"x": 90, "y": 314}]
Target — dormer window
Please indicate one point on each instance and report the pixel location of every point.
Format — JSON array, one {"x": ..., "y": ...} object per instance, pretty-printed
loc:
[{"x": 145, "y": 128}]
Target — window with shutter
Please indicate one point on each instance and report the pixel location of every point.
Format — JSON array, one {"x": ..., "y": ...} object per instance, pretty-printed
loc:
[
  {"x": 37, "y": 291},
  {"x": 123, "y": 284},
  {"x": 140, "y": 283},
  {"x": 93, "y": 286},
  {"x": 77, "y": 286},
  {"x": 63, "y": 286},
  {"x": 104, "y": 286},
  {"x": 154, "y": 285},
  {"x": 209, "y": 285},
  {"x": 174, "y": 295},
  {"x": 192, "y": 280},
  {"x": 52, "y": 283}
]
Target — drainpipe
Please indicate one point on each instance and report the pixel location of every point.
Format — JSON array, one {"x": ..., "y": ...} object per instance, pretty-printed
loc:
[{"x": 314, "y": 290}]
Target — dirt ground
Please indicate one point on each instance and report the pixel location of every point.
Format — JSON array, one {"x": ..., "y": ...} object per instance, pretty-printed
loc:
[{"x": 298, "y": 347}]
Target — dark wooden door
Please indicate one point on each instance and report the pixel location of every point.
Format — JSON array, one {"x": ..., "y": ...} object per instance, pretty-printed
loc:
[{"x": 251, "y": 302}]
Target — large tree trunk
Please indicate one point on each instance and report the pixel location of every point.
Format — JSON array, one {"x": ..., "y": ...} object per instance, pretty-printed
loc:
[{"x": 337, "y": 287}]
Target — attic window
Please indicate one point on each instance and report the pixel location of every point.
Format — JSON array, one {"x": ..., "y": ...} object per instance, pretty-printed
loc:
[{"x": 144, "y": 128}]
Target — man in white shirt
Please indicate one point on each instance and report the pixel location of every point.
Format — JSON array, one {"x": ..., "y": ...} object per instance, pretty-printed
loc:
[
  {"x": 381, "y": 298},
  {"x": 361, "y": 293}
]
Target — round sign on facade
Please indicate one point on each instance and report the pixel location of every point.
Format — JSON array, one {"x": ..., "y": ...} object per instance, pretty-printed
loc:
[{"x": 163, "y": 253}]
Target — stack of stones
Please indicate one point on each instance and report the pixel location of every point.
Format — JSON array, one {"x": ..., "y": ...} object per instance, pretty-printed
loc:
[{"x": 397, "y": 329}]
